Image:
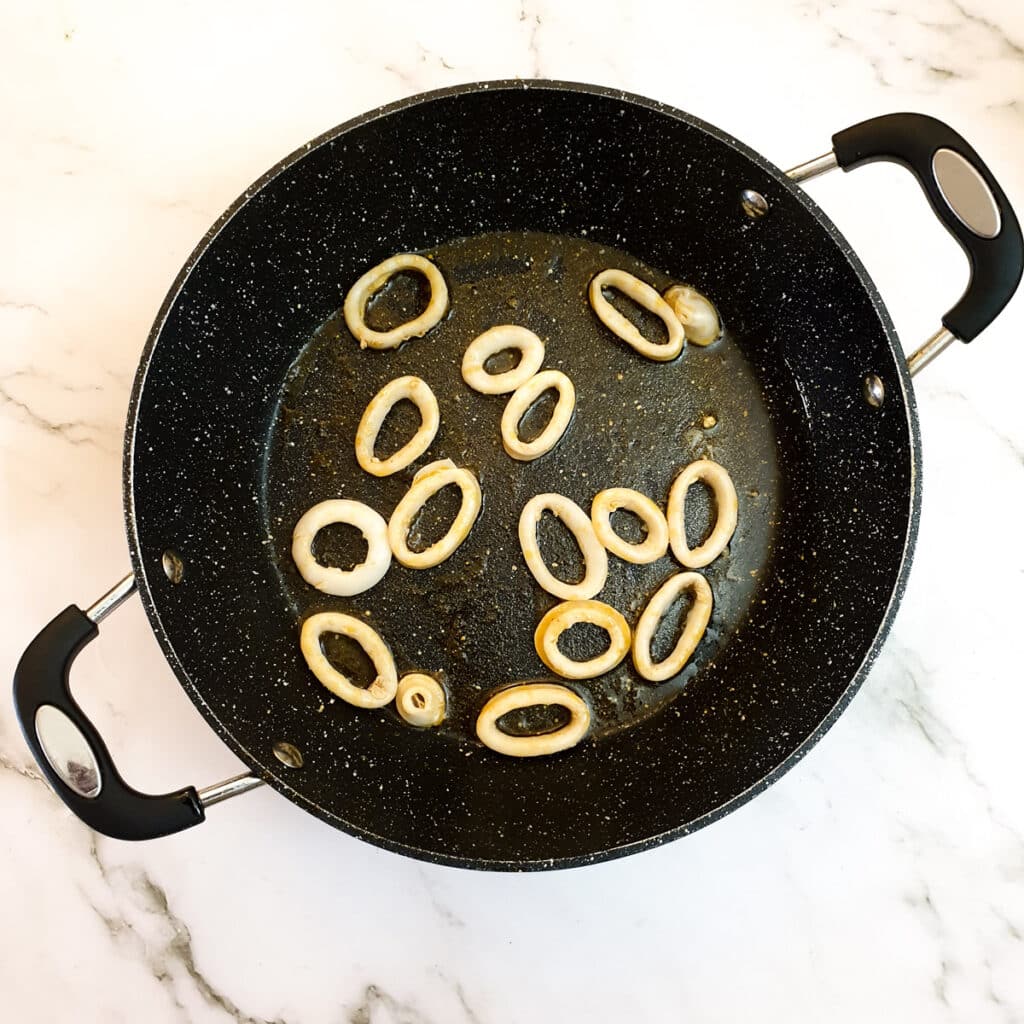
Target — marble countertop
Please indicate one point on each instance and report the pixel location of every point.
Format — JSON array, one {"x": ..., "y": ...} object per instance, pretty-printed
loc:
[{"x": 882, "y": 878}]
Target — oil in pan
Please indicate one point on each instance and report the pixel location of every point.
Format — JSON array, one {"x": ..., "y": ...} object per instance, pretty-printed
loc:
[{"x": 471, "y": 619}]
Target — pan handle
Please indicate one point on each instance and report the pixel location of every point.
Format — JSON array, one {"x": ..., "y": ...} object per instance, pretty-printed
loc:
[
  {"x": 965, "y": 197},
  {"x": 71, "y": 753}
]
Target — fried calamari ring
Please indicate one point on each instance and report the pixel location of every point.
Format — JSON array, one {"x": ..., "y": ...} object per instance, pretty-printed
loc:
[
  {"x": 518, "y": 405},
  {"x": 727, "y": 504},
  {"x": 595, "y": 558},
  {"x": 383, "y": 687},
  {"x": 425, "y": 484},
  {"x": 375, "y": 279},
  {"x": 418, "y": 392},
  {"x": 342, "y": 582},
  {"x": 654, "y": 545},
  {"x": 529, "y": 695},
  {"x": 490, "y": 343},
  {"x": 567, "y": 614},
  {"x": 697, "y": 619},
  {"x": 643, "y": 295},
  {"x": 420, "y": 700}
]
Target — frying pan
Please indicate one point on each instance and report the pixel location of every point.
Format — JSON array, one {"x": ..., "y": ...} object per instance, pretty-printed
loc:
[{"x": 248, "y": 393}]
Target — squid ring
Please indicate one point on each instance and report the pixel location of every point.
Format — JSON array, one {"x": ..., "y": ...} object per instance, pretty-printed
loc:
[
  {"x": 656, "y": 542},
  {"x": 696, "y": 622},
  {"x": 567, "y": 614},
  {"x": 524, "y": 396},
  {"x": 418, "y": 392},
  {"x": 342, "y": 582},
  {"x": 696, "y": 313},
  {"x": 383, "y": 687},
  {"x": 643, "y": 295},
  {"x": 490, "y": 343},
  {"x": 425, "y": 484},
  {"x": 595, "y": 558},
  {"x": 420, "y": 700},
  {"x": 716, "y": 477},
  {"x": 373, "y": 280},
  {"x": 528, "y": 695}
]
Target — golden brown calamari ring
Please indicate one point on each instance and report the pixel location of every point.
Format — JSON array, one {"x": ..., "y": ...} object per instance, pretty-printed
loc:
[{"x": 420, "y": 700}]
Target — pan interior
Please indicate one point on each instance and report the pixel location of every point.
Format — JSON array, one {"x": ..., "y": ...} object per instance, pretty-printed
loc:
[{"x": 471, "y": 619}]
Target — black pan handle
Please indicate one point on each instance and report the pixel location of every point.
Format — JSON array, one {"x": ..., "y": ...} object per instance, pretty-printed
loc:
[
  {"x": 69, "y": 750},
  {"x": 965, "y": 197}
]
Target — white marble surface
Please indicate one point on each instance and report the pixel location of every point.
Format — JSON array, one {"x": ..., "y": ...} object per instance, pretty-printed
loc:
[{"x": 882, "y": 879}]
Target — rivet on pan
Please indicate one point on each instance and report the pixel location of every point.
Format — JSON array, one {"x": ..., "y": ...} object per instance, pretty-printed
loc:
[
  {"x": 754, "y": 204},
  {"x": 174, "y": 567},
  {"x": 288, "y": 754},
  {"x": 874, "y": 390}
]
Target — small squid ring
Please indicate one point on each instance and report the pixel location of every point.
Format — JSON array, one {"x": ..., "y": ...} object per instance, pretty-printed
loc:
[
  {"x": 418, "y": 392},
  {"x": 420, "y": 700},
  {"x": 490, "y": 343},
  {"x": 643, "y": 295},
  {"x": 342, "y": 582},
  {"x": 529, "y": 695},
  {"x": 425, "y": 484},
  {"x": 523, "y": 397},
  {"x": 696, "y": 622},
  {"x": 595, "y": 558},
  {"x": 567, "y": 614},
  {"x": 701, "y": 322},
  {"x": 375, "y": 279},
  {"x": 383, "y": 687},
  {"x": 726, "y": 502},
  {"x": 654, "y": 545}
]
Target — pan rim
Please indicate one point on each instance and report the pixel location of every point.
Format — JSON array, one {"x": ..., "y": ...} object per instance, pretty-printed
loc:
[{"x": 280, "y": 783}]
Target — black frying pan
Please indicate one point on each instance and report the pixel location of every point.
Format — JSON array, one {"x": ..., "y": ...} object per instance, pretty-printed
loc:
[{"x": 248, "y": 393}]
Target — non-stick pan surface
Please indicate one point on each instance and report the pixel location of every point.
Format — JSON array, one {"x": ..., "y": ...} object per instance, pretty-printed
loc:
[{"x": 246, "y": 404}]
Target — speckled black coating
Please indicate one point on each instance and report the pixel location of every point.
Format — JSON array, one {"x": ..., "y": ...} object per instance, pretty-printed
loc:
[{"x": 829, "y": 532}]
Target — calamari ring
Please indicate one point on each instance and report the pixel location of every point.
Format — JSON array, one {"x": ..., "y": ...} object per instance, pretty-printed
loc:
[
  {"x": 656, "y": 542},
  {"x": 716, "y": 477},
  {"x": 375, "y": 279},
  {"x": 697, "y": 619},
  {"x": 425, "y": 484},
  {"x": 523, "y": 397},
  {"x": 595, "y": 558},
  {"x": 490, "y": 343},
  {"x": 567, "y": 614},
  {"x": 643, "y": 295},
  {"x": 342, "y": 582},
  {"x": 383, "y": 687},
  {"x": 418, "y": 392},
  {"x": 696, "y": 313},
  {"x": 420, "y": 700},
  {"x": 525, "y": 696}
]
